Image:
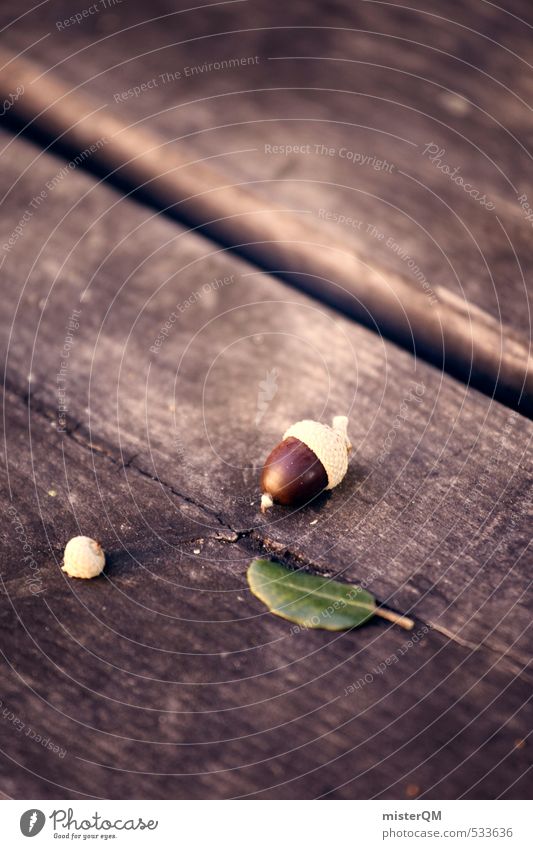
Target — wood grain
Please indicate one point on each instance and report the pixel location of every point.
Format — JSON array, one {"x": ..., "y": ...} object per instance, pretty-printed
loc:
[
  {"x": 165, "y": 374},
  {"x": 454, "y": 251},
  {"x": 166, "y": 678}
]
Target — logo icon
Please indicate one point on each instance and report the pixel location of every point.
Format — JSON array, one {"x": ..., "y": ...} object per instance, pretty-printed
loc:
[
  {"x": 268, "y": 389},
  {"x": 32, "y": 822}
]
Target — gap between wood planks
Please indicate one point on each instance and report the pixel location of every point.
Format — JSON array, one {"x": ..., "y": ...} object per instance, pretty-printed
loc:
[{"x": 458, "y": 337}]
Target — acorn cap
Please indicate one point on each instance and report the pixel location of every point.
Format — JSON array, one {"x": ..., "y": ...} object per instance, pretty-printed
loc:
[
  {"x": 329, "y": 444},
  {"x": 84, "y": 558}
]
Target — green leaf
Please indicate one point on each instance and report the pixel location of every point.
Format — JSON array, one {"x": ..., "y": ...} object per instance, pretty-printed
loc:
[{"x": 313, "y": 601}]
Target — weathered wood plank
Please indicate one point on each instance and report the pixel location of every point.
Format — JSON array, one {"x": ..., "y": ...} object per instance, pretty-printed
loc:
[
  {"x": 165, "y": 678},
  {"x": 164, "y": 374},
  {"x": 443, "y": 330},
  {"x": 377, "y": 94}
]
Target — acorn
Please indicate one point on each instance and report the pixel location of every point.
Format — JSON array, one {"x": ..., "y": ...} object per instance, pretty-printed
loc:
[{"x": 311, "y": 457}]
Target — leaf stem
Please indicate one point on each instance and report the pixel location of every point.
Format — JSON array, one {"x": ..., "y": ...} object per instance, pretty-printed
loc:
[{"x": 402, "y": 621}]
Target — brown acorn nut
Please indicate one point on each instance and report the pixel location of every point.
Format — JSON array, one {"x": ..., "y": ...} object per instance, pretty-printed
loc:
[{"x": 311, "y": 457}]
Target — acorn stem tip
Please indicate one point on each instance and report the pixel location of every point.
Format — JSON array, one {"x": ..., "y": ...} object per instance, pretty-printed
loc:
[{"x": 266, "y": 502}]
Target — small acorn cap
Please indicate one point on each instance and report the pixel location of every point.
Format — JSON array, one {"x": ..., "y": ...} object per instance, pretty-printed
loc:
[
  {"x": 83, "y": 558},
  {"x": 330, "y": 444}
]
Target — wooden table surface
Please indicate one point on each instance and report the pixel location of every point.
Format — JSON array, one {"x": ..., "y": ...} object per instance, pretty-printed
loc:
[{"x": 165, "y": 677}]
